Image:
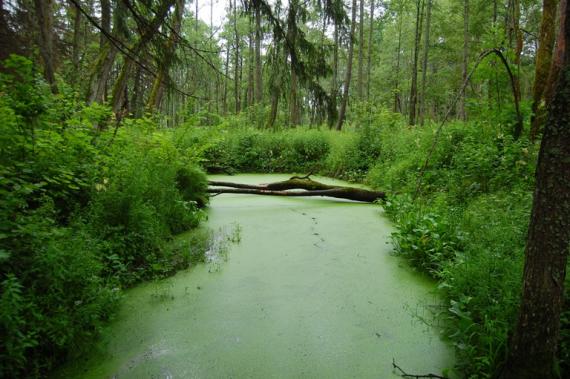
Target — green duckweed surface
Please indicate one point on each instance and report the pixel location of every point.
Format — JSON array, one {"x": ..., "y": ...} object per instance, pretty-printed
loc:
[{"x": 309, "y": 291}]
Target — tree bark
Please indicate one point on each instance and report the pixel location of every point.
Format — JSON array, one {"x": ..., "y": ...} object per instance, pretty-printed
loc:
[
  {"x": 422, "y": 101},
  {"x": 348, "y": 75},
  {"x": 464, "y": 66},
  {"x": 361, "y": 52},
  {"x": 237, "y": 70},
  {"x": 334, "y": 82},
  {"x": 533, "y": 346},
  {"x": 159, "y": 84},
  {"x": 397, "y": 101},
  {"x": 44, "y": 14},
  {"x": 120, "y": 87},
  {"x": 542, "y": 66},
  {"x": 291, "y": 37},
  {"x": 258, "y": 62},
  {"x": 307, "y": 186},
  {"x": 250, "y": 67},
  {"x": 414, "y": 85},
  {"x": 370, "y": 49},
  {"x": 76, "y": 38}
]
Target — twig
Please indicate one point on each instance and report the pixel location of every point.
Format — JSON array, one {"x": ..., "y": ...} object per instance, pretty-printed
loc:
[{"x": 406, "y": 375}]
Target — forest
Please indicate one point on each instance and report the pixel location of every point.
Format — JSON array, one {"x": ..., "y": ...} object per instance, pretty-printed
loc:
[{"x": 117, "y": 116}]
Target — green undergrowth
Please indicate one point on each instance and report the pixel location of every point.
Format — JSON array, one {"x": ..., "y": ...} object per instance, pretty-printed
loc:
[
  {"x": 466, "y": 227},
  {"x": 83, "y": 214}
]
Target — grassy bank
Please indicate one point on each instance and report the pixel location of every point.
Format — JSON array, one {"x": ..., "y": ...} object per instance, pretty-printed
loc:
[
  {"x": 466, "y": 228},
  {"x": 83, "y": 214}
]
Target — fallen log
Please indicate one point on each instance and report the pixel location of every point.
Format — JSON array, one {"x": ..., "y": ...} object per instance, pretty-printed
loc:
[{"x": 304, "y": 186}]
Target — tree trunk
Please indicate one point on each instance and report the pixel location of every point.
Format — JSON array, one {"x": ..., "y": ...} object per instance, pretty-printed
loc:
[
  {"x": 334, "y": 83},
  {"x": 361, "y": 52},
  {"x": 414, "y": 85},
  {"x": 44, "y": 14},
  {"x": 515, "y": 37},
  {"x": 105, "y": 21},
  {"x": 291, "y": 37},
  {"x": 425, "y": 64},
  {"x": 237, "y": 70},
  {"x": 159, "y": 84},
  {"x": 397, "y": 102},
  {"x": 370, "y": 50},
  {"x": 258, "y": 62},
  {"x": 76, "y": 37},
  {"x": 543, "y": 62},
  {"x": 533, "y": 346},
  {"x": 308, "y": 186},
  {"x": 120, "y": 87},
  {"x": 226, "y": 72},
  {"x": 250, "y": 68},
  {"x": 348, "y": 75},
  {"x": 464, "y": 66}
]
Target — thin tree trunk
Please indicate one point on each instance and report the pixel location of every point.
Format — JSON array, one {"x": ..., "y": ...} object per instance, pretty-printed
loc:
[
  {"x": 543, "y": 62},
  {"x": 462, "y": 112},
  {"x": 120, "y": 87},
  {"x": 237, "y": 68},
  {"x": 250, "y": 68},
  {"x": 291, "y": 36},
  {"x": 414, "y": 85},
  {"x": 516, "y": 38},
  {"x": 334, "y": 83},
  {"x": 258, "y": 63},
  {"x": 44, "y": 14},
  {"x": 226, "y": 68},
  {"x": 348, "y": 75},
  {"x": 361, "y": 52},
  {"x": 159, "y": 84},
  {"x": 105, "y": 21},
  {"x": 397, "y": 102},
  {"x": 533, "y": 346},
  {"x": 425, "y": 64},
  {"x": 76, "y": 38},
  {"x": 370, "y": 50}
]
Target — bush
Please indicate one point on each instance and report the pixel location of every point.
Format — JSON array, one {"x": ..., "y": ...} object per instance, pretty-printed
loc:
[{"x": 82, "y": 213}]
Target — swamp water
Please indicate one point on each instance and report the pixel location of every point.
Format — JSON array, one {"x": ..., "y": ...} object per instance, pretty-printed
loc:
[{"x": 308, "y": 290}]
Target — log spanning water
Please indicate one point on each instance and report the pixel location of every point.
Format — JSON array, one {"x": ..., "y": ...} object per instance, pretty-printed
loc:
[{"x": 296, "y": 187}]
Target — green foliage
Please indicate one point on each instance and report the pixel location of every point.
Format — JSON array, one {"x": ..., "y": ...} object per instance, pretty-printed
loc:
[
  {"x": 466, "y": 228},
  {"x": 82, "y": 213}
]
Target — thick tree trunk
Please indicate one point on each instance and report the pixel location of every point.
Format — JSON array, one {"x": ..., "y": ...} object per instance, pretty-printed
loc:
[
  {"x": 422, "y": 101},
  {"x": 361, "y": 52},
  {"x": 414, "y": 85},
  {"x": 44, "y": 14},
  {"x": 533, "y": 345},
  {"x": 307, "y": 186},
  {"x": 348, "y": 76},
  {"x": 542, "y": 67}
]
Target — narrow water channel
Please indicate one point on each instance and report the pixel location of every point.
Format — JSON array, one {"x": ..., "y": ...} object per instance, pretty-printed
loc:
[{"x": 310, "y": 291}]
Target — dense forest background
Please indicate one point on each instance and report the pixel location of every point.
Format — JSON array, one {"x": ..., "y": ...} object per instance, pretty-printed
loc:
[
  {"x": 113, "y": 111},
  {"x": 294, "y": 62}
]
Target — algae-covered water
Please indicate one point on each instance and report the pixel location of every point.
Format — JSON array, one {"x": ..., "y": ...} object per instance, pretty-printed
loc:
[{"x": 309, "y": 291}]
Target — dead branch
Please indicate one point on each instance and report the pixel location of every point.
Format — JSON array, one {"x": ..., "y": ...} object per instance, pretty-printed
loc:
[
  {"x": 302, "y": 186},
  {"x": 406, "y": 375}
]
